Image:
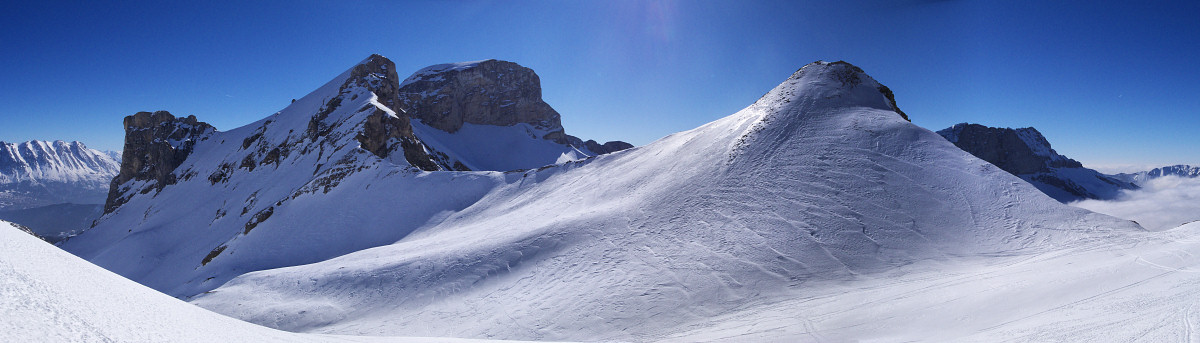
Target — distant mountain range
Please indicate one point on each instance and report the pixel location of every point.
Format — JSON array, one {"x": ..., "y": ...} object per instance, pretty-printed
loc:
[
  {"x": 1180, "y": 170},
  {"x": 38, "y": 173},
  {"x": 54, "y": 188}
]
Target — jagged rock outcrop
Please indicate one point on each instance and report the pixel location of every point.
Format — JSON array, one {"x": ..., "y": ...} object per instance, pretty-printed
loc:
[
  {"x": 155, "y": 144},
  {"x": 1027, "y": 154},
  {"x": 383, "y": 132},
  {"x": 608, "y": 147},
  {"x": 489, "y": 92}
]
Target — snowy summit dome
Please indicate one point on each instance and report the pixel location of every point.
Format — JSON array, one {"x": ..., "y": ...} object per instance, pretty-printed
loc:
[{"x": 831, "y": 85}]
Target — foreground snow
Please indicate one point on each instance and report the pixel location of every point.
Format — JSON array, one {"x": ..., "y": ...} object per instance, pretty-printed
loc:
[
  {"x": 1143, "y": 287},
  {"x": 48, "y": 295}
]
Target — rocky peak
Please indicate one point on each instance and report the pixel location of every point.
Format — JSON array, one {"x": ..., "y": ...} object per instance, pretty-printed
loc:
[
  {"x": 488, "y": 92},
  {"x": 384, "y": 131},
  {"x": 378, "y": 74},
  {"x": 155, "y": 144}
]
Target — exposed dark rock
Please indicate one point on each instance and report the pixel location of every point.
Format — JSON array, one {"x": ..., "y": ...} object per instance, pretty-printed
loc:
[
  {"x": 891, "y": 97},
  {"x": 212, "y": 254},
  {"x": 611, "y": 146},
  {"x": 155, "y": 144},
  {"x": 258, "y": 218}
]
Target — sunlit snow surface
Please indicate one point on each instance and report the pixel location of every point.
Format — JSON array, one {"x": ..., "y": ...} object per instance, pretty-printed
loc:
[{"x": 48, "y": 295}]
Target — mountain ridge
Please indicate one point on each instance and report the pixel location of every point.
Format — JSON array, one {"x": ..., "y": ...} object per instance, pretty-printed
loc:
[{"x": 39, "y": 173}]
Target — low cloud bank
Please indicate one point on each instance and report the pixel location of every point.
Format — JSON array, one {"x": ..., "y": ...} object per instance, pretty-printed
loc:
[{"x": 1162, "y": 203}]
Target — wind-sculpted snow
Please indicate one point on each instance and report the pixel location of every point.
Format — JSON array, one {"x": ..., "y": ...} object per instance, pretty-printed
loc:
[{"x": 821, "y": 181}]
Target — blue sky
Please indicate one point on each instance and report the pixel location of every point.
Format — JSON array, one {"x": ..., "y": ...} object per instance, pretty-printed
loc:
[{"x": 1109, "y": 83}]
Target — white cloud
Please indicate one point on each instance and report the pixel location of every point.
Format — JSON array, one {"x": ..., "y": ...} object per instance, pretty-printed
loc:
[{"x": 1161, "y": 204}]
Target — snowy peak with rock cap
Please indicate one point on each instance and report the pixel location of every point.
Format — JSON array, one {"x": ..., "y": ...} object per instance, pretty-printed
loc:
[
  {"x": 820, "y": 181},
  {"x": 58, "y": 161},
  {"x": 39, "y": 173},
  {"x": 489, "y": 115},
  {"x": 1027, "y": 154},
  {"x": 195, "y": 206}
]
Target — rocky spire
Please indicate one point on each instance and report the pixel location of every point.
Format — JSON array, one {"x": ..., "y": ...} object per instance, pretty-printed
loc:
[{"x": 155, "y": 144}]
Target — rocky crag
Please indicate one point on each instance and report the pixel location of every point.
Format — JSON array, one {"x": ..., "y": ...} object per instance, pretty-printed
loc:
[
  {"x": 1027, "y": 154},
  {"x": 490, "y": 93}
]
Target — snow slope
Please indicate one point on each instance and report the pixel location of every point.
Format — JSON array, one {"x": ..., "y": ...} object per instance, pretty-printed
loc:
[
  {"x": 1139, "y": 287},
  {"x": 38, "y": 173},
  {"x": 47, "y": 295},
  {"x": 503, "y": 148},
  {"x": 819, "y": 182},
  {"x": 293, "y": 188}
]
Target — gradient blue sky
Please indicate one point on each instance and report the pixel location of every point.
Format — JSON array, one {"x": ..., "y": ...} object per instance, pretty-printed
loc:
[{"x": 1109, "y": 83}]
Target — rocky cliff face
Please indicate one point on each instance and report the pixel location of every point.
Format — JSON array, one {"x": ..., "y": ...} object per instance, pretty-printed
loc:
[
  {"x": 489, "y": 92},
  {"x": 155, "y": 144},
  {"x": 1017, "y": 151},
  {"x": 1027, "y": 154},
  {"x": 480, "y": 98},
  {"x": 383, "y": 132}
]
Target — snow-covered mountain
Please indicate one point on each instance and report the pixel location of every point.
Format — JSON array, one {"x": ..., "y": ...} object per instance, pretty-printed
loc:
[
  {"x": 821, "y": 181},
  {"x": 1027, "y": 154},
  {"x": 47, "y": 295},
  {"x": 489, "y": 115},
  {"x": 1180, "y": 170},
  {"x": 38, "y": 173},
  {"x": 288, "y": 189}
]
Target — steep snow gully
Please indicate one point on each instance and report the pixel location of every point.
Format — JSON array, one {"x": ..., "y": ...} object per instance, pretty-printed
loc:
[{"x": 817, "y": 213}]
